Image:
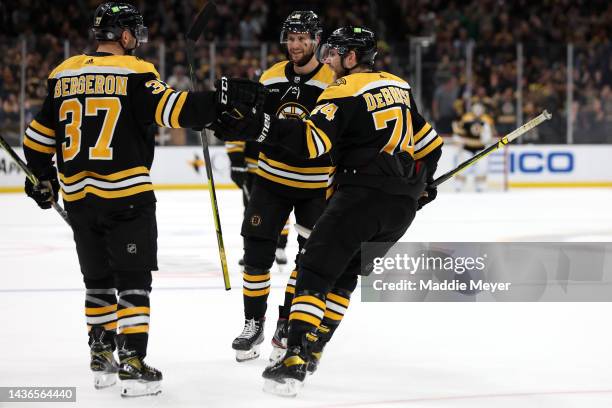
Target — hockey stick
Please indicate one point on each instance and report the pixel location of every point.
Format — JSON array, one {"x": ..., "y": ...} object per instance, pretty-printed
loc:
[
  {"x": 194, "y": 32},
  {"x": 543, "y": 117},
  {"x": 33, "y": 179},
  {"x": 303, "y": 231}
]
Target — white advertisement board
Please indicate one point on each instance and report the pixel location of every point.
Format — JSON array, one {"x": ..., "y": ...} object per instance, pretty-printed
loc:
[{"x": 528, "y": 166}]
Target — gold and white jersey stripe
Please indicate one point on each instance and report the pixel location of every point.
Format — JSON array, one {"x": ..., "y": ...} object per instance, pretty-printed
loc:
[
  {"x": 425, "y": 141},
  {"x": 301, "y": 177},
  {"x": 116, "y": 185},
  {"x": 317, "y": 141},
  {"x": 40, "y": 138},
  {"x": 169, "y": 108}
]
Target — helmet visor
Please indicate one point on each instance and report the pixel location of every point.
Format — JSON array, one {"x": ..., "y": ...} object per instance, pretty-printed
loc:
[
  {"x": 141, "y": 33},
  {"x": 327, "y": 50}
]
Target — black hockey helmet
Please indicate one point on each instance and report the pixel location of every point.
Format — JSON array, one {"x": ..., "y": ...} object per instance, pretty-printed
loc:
[
  {"x": 112, "y": 18},
  {"x": 301, "y": 22},
  {"x": 359, "y": 39}
]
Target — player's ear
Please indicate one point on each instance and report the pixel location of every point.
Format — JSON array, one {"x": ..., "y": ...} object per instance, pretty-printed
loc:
[{"x": 125, "y": 38}]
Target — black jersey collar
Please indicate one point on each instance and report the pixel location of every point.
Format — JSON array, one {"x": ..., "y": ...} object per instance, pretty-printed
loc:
[{"x": 292, "y": 76}]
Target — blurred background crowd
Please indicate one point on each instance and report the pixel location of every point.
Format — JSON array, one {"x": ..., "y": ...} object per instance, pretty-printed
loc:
[{"x": 515, "y": 57}]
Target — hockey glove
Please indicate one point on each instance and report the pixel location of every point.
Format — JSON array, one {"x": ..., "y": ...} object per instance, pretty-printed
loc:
[
  {"x": 46, "y": 192},
  {"x": 253, "y": 127},
  {"x": 238, "y": 97},
  {"x": 427, "y": 197}
]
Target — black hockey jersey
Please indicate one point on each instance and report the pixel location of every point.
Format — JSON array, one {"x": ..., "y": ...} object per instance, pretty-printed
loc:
[
  {"x": 244, "y": 154},
  {"x": 475, "y": 131},
  {"x": 356, "y": 119},
  {"x": 96, "y": 120},
  {"x": 293, "y": 96}
]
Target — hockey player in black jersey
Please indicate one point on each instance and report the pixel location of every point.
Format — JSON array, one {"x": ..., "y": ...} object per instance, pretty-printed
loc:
[
  {"x": 95, "y": 122},
  {"x": 385, "y": 155},
  {"x": 284, "y": 181}
]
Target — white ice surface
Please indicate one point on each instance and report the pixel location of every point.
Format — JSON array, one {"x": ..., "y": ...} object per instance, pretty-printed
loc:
[{"x": 439, "y": 355}]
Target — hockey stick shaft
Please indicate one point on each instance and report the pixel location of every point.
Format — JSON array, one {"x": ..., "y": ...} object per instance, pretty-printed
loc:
[
  {"x": 31, "y": 176},
  {"x": 538, "y": 120},
  {"x": 194, "y": 32}
]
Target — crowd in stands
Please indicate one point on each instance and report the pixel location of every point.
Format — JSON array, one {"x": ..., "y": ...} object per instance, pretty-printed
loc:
[{"x": 491, "y": 28}]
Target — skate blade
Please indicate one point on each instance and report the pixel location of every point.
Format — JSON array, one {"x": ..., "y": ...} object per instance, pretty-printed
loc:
[
  {"x": 104, "y": 379},
  {"x": 277, "y": 354},
  {"x": 246, "y": 355},
  {"x": 287, "y": 389},
  {"x": 136, "y": 388}
]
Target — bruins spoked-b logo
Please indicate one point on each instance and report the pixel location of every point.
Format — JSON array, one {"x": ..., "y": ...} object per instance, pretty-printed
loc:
[
  {"x": 292, "y": 110},
  {"x": 256, "y": 220}
]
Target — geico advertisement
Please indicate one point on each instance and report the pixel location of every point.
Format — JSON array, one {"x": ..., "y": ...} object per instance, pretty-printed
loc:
[
  {"x": 566, "y": 165},
  {"x": 528, "y": 166}
]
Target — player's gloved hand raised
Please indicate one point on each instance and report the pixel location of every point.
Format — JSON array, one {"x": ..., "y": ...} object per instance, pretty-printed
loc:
[
  {"x": 46, "y": 192},
  {"x": 238, "y": 175},
  {"x": 238, "y": 97},
  {"x": 427, "y": 197}
]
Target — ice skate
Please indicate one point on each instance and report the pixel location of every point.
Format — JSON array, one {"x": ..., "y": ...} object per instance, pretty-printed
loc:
[
  {"x": 286, "y": 377},
  {"x": 279, "y": 341},
  {"x": 248, "y": 343},
  {"x": 103, "y": 363},
  {"x": 137, "y": 378}
]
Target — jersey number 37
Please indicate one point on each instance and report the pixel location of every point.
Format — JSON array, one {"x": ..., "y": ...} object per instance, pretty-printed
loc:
[{"x": 72, "y": 109}]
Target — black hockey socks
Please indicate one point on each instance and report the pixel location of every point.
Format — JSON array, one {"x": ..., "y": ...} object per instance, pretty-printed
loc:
[
  {"x": 101, "y": 311},
  {"x": 289, "y": 294},
  {"x": 133, "y": 319},
  {"x": 255, "y": 290},
  {"x": 307, "y": 311}
]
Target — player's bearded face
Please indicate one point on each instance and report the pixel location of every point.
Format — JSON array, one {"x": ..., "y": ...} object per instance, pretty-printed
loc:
[
  {"x": 300, "y": 47},
  {"x": 334, "y": 60}
]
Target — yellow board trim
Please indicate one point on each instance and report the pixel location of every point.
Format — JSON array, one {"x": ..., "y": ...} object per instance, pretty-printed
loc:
[
  {"x": 179, "y": 187},
  {"x": 332, "y": 315},
  {"x": 134, "y": 330},
  {"x": 561, "y": 184},
  {"x": 338, "y": 299},
  {"x": 291, "y": 183},
  {"x": 38, "y": 147},
  {"x": 256, "y": 278},
  {"x": 315, "y": 321},
  {"x": 160, "y": 107},
  {"x": 93, "y": 311},
  {"x": 174, "y": 122},
  {"x": 303, "y": 170},
  {"x": 40, "y": 128},
  {"x": 310, "y": 300},
  {"x": 255, "y": 293},
  {"x": 133, "y": 311},
  {"x": 108, "y": 177},
  {"x": 107, "y": 194}
]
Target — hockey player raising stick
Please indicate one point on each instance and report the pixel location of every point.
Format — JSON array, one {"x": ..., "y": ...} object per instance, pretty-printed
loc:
[
  {"x": 385, "y": 154},
  {"x": 95, "y": 122},
  {"x": 284, "y": 181}
]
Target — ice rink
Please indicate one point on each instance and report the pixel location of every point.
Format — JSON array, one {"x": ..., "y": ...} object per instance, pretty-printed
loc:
[{"x": 433, "y": 355}]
